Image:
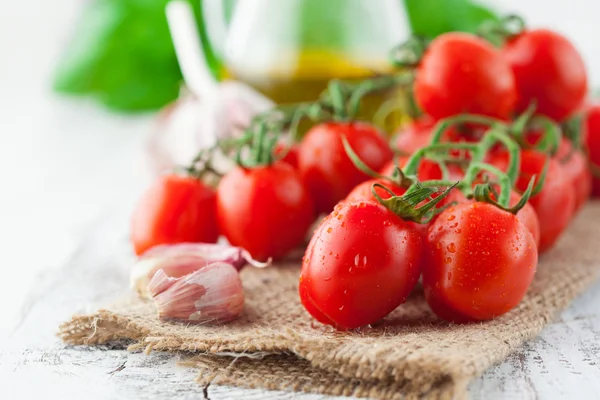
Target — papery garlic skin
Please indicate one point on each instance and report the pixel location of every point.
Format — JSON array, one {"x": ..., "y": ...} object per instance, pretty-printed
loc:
[
  {"x": 178, "y": 260},
  {"x": 213, "y": 294}
]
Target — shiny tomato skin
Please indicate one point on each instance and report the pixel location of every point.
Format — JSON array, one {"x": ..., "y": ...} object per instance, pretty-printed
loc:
[
  {"x": 592, "y": 127},
  {"x": 575, "y": 165},
  {"x": 548, "y": 70},
  {"x": 462, "y": 73},
  {"x": 175, "y": 209},
  {"x": 362, "y": 262},
  {"x": 326, "y": 168},
  {"x": 265, "y": 210},
  {"x": 481, "y": 261},
  {"x": 555, "y": 203}
]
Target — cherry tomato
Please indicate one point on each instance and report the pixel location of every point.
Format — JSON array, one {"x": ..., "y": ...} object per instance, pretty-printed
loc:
[
  {"x": 555, "y": 203},
  {"x": 548, "y": 70},
  {"x": 175, "y": 209},
  {"x": 592, "y": 127},
  {"x": 291, "y": 157},
  {"x": 363, "y": 192},
  {"x": 481, "y": 261},
  {"x": 362, "y": 262},
  {"x": 462, "y": 73},
  {"x": 576, "y": 167},
  {"x": 326, "y": 168},
  {"x": 266, "y": 210}
]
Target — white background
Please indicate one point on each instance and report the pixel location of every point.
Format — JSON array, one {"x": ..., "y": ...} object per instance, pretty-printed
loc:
[{"x": 64, "y": 163}]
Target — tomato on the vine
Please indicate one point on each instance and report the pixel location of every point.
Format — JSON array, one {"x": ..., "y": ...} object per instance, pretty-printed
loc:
[
  {"x": 175, "y": 209},
  {"x": 265, "y": 210},
  {"x": 462, "y": 73},
  {"x": 592, "y": 127},
  {"x": 481, "y": 261},
  {"x": 549, "y": 71},
  {"x": 555, "y": 203},
  {"x": 326, "y": 168},
  {"x": 362, "y": 262},
  {"x": 576, "y": 168}
]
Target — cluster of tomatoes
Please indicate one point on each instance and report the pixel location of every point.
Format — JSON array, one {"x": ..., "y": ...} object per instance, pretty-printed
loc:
[{"x": 474, "y": 243}]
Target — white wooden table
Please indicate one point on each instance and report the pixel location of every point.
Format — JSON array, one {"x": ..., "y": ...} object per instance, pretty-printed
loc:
[{"x": 69, "y": 174}]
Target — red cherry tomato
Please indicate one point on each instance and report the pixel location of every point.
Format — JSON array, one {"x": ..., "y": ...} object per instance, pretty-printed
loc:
[
  {"x": 362, "y": 262},
  {"x": 326, "y": 168},
  {"x": 481, "y": 261},
  {"x": 462, "y": 73},
  {"x": 266, "y": 210},
  {"x": 576, "y": 167},
  {"x": 175, "y": 209},
  {"x": 291, "y": 157},
  {"x": 548, "y": 70},
  {"x": 592, "y": 127},
  {"x": 555, "y": 203}
]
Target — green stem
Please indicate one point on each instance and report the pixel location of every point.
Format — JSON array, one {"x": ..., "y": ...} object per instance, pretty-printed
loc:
[{"x": 446, "y": 123}]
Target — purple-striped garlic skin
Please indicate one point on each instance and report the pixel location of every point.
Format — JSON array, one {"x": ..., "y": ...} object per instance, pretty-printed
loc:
[
  {"x": 212, "y": 294},
  {"x": 178, "y": 260}
]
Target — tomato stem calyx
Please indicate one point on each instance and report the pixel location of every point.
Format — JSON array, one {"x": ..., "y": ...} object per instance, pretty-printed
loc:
[{"x": 407, "y": 205}]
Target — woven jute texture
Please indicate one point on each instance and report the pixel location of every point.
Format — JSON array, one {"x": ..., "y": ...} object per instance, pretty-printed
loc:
[{"x": 410, "y": 354}]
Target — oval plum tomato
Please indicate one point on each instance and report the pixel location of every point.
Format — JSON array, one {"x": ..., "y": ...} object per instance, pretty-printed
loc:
[
  {"x": 481, "y": 261},
  {"x": 291, "y": 157},
  {"x": 175, "y": 209},
  {"x": 265, "y": 210},
  {"x": 592, "y": 127},
  {"x": 326, "y": 168},
  {"x": 462, "y": 73},
  {"x": 555, "y": 203},
  {"x": 548, "y": 70},
  {"x": 576, "y": 168},
  {"x": 362, "y": 262}
]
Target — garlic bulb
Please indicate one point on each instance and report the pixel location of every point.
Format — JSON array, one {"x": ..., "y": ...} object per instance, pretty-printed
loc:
[
  {"x": 182, "y": 259},
  {"x": 209, "y": 295}
]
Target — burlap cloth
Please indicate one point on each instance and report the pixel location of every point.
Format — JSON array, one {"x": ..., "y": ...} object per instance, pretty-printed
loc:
[{"x": 410, "y": 354}]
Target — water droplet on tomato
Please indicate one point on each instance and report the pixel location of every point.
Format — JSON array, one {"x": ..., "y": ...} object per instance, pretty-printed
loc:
[
  {"x": 329, "y": 230},
  {"x": 356, "y": 259},
  {"x": 451, "y": 217},
  {"x": 343, "y": 224},
  {"x": 451, "y": 247},
  {"x": 337, "y": 256},
  {"x": 448, "y": 260},
  {"x": 341, "y": 308},
  {"x": 327, "y": 279},
  {"x": 449, "y": 275},
  {"x": 387, "y": 223}
]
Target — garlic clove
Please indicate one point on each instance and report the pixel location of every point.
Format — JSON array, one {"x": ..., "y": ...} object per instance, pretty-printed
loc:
[
  {"x": 181, "y": 259},
  {"x": 209, "y": 295}
]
